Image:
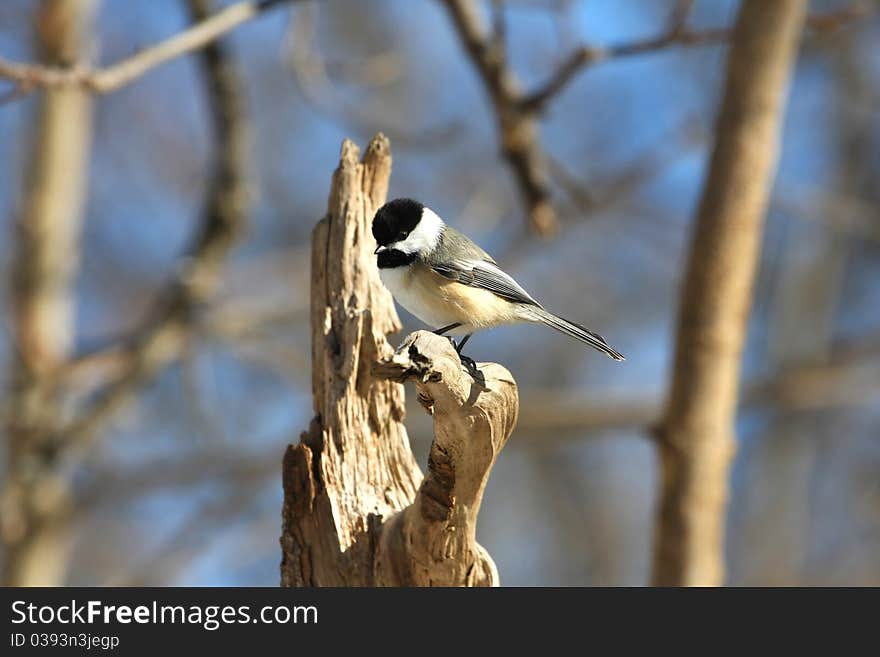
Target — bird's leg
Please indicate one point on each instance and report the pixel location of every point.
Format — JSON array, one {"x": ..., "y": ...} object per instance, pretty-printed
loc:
[
  {"x": 467, "y": 360},
  {"x": 441, "y": 331}
]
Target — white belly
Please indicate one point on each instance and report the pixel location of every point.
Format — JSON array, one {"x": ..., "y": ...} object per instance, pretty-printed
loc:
[
  {"x": 415, "y": 299},
  {"x": 440, "y": 302}
]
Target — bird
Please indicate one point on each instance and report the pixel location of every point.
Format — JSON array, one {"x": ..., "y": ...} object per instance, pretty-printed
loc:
[{"x": 448, "y": 282}]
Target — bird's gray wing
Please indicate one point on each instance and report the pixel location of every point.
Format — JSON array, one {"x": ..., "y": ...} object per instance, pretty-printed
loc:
[
  {"x": 459, "y": 259},
  {"x": 487, "y": 276}
]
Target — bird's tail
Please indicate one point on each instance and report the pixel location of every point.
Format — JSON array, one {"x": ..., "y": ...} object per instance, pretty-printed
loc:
[{"x": 576, "y": 331}]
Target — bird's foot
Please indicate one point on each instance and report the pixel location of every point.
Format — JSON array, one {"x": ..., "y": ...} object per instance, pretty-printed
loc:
[{"x": 468, "y": 362}]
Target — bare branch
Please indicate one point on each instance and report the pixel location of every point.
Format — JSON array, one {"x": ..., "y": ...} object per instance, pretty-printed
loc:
[
  {"x": 838, "y": 383},
  {"x": 160, "y": 340},
  {"x": 696, "y": 438},
  {"x": 517, "y": 129},
  {"x": 587, "y": 55},
  {"x": 104, "y": 80},
  {"x": 675, "y": 35},
  {"x": 516, "y": 111},
  {"x": 34, "y": 500}
]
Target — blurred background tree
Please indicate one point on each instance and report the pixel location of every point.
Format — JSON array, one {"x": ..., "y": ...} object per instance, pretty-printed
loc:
[{"x": 155, "y": 354}]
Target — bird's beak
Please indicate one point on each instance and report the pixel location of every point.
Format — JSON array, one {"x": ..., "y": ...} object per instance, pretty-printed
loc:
[{"x": 379, "y": 249}]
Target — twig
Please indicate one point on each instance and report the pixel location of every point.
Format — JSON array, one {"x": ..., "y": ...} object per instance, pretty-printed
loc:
[
  {"x": 537, "y": 101},
  {"x": 676, "y": 34},
  {"x": 518, "y": 130},
  {"x": 28, "y": 77},
  {"x": 516, "y": 111}
]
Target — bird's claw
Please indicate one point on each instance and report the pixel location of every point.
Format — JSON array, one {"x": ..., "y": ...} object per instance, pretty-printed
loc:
[{"x": 468, "y": 362}]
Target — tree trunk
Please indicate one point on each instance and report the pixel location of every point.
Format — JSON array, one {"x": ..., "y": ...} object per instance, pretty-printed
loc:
[
  {"x": 34, "y": 500},
  {"x": 696, "y": 437},
  {"x": 354, "y": 511}
]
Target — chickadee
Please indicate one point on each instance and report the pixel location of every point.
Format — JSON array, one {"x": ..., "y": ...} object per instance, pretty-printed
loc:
[{"x": 450, "y": 283}]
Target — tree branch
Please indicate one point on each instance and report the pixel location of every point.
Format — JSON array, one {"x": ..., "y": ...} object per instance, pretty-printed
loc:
[
  {"x": 104, "y": 80},
  {"x": 516, "y": 111},
  {"x": 159, "y": 341},
  {"x": 696, "y": 438},
  {"x": 837, "y": 383},
  {"x": 676, "y": 34},
  {"x": 518, "y": 130},
  {"x": 584, "y": 56},
  {"x": 33, "y": 499},
  {"x": 433, "y": 541}
]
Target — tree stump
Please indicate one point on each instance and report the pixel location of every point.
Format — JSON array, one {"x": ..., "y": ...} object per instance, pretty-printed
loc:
[{"x": 357, "y": 510}]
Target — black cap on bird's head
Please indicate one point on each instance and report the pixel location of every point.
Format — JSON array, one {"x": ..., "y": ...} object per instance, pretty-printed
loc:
[{"x": 395, "y": 220}]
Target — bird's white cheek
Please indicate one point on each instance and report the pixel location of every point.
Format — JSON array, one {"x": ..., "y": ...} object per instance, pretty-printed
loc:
[{"x": 424, "y": 236}]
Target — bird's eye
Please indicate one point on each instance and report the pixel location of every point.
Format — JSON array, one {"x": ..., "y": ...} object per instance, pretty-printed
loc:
[{"x": 404, "y": 234}]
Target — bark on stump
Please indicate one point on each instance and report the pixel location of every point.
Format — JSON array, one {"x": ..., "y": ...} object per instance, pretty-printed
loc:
[{"x": 357, "y": 510}]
